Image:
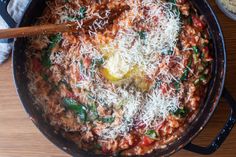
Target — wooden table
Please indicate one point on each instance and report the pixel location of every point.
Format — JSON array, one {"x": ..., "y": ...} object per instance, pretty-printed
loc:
[{"x": 20, "y": 138}]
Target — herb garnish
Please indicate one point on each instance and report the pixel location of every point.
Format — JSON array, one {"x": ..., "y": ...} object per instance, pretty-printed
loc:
[
  {"x": 151, "y": 134},
  {"x": 107, "y": 119},
  {"x": 46, "y": 62},
  {"x": 142, "y": 35},
  {"x": 79, "y": 109},
  {"x": 181, "y": 112}
]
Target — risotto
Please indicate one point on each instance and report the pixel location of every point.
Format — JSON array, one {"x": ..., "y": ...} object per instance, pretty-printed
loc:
[{"x": 127, "y": 86}]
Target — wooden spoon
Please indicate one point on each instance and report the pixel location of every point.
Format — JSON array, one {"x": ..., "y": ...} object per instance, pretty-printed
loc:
[{"x": 59, "y": 28}]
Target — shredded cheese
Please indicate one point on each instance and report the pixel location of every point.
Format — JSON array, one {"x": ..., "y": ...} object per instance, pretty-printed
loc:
[{"x": 132, "y": 47}]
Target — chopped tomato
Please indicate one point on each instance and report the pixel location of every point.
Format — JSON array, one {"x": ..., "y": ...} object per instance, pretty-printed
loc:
[
  {"x": 197, "y": 22},
  {"x": 146, "y": 141},
  {"x": 70, "y": 95},
  {"x": 37, "y": 66}
]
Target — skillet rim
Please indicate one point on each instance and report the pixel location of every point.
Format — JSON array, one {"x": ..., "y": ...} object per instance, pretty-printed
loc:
[{"x": 26, "y": 108}]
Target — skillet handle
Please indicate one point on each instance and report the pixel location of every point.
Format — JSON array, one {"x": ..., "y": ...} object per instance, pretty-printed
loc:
[
  {"x": 7, "y": 17},
  {"x": 220, "y": 138}
]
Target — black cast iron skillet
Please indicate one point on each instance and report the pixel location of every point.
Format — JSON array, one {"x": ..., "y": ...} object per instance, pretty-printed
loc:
[{"x": 213, "y": 95}]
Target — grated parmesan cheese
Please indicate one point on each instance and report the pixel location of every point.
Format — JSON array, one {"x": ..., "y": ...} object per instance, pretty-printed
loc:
[
  {"x": 157, "y": 108},
  {"x": 128, "y": 50}
]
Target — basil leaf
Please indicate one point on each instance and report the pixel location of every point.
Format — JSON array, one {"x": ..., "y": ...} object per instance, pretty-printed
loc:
[
  {"x": 107, "y": 119},
  {"x": 151, "y": 134},
  {"x": 79, "y": 109},
  {"x": 181, "y": 112}
]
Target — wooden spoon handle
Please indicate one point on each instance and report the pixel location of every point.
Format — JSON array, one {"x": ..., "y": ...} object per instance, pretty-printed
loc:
[
  {"x": 60, "y": 28},
  {"x": 36, "y": 30}
]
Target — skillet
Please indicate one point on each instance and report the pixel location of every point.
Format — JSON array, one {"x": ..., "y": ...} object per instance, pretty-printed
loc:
[{"x": 215, "y": 92}]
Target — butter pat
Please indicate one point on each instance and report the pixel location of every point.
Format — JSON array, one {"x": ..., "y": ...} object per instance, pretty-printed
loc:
[{"x": 115, "y": 68}]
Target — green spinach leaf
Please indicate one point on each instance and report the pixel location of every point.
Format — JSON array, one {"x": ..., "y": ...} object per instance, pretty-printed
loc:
[
  {"x": 79, "y": 109},
  {"x": 186, "y": 71},
  {"x": 181, "y": 112},
  {"x": 195, "y": 50},
  {"x": 46, "y": 62},
  {"x": 108, "y": 119},
  {"x": 142, "y": 35},
  {"x": 93, "y": 113},
  {"x": 151, "y": 134}
]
